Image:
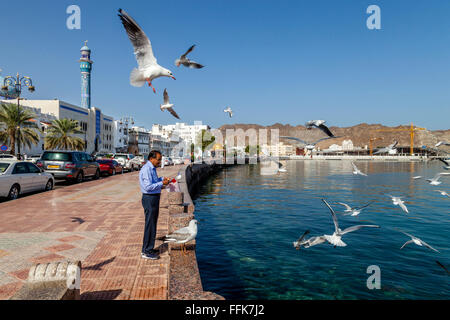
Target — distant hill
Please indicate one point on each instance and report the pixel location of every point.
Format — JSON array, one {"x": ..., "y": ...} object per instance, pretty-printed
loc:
[{"x": 359, "y": 134}]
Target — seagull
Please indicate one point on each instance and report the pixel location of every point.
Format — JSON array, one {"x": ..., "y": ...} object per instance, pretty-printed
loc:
[
  {"x": 435, "y": 181},
  {"x": 308, "y": 145},
  {"x": 335, "y": 239},
  {"x": 399, "y": 202},
  {"x": 186, "y": 62},
  {"x": 417, "y": 177},
  {"x": 167, "y": 106},
  {"x": 356, "y": 171},
  {"x": 447, "y": 165},
  {"x": 354, "y": 211},
  {"x": 320, "y": 124},
  {"x": 148, "y": 67},
  {"x": 309, "y": 242},
  {"x": 230, "y": 112},
  {"x": 417, "y": 241},
  {"x": 280, "y": 167},
  {"x": 183, "y": 235},
  {"x": 445, "y": 194},
  {"x": 440, "y": 143},
  {"x": 389, "y": 149},
  {"x": 79, "y": 220}
]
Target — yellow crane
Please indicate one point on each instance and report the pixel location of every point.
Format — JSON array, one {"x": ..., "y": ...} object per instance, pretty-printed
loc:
[
  {"x": 371, "y": 145},
  {"x": 412, "y": 132}
]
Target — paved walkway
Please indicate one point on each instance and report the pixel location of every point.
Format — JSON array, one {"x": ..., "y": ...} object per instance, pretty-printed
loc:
[{"x": 98, "y": 222}]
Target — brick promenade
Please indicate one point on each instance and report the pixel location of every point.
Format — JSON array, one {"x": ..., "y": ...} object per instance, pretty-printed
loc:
[{"x": 98, "y": 222}]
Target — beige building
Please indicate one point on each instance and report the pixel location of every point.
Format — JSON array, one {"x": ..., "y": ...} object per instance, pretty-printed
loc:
[{"x": 98, "y": 129}]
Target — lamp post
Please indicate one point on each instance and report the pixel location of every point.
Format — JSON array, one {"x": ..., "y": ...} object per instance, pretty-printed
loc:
[{"x": 18, "y": 82}]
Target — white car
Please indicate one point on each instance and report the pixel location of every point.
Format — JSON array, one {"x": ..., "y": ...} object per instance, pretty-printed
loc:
[
  {"x": 33, "y": 158},
  {"x": 127, "y": 161},
  {"x": 178, "y": 161},
  {"x": 19, "y": 177},
  {"x": 5, "y": 156},
  {"x": 167, "y": 161}
]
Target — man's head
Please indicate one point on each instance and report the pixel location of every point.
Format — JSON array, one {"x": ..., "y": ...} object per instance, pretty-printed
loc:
[{"x": 155, "y": 158}]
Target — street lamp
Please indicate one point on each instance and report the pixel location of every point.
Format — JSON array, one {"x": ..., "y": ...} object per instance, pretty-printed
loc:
[{"x": 18, "y": 82}]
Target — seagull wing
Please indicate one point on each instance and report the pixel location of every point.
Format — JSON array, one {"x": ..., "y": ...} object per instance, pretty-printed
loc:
[
  {"x": 355, "y": 228},
  {"x": 428, "y": 246},
  {"x": 409, "y": 235},
  {"x": 442, "y": 266},
  {"x": 195, "y": 65},
  {"x": 323, "y": 139},
  {"x": 345, "y": 205},
  {"x": 166, "y": 97},
  {"x": 406, "y": 243},
  {"x": 303, "y": 236},
  {"x": 325, "y": 129},
  {"x": 333, "y": 214},
  {"x": 141, "y": 43},
  {"x": 365, "y": 206},
  {"x": 442, "y": 160},
  {"x": 296, "y": 139},
  {"x": 173, "y": 112},
  {"x": 187, "y": 52},
  {"x": 393, "y": 145},
  {"x": 402, "y": 205}
]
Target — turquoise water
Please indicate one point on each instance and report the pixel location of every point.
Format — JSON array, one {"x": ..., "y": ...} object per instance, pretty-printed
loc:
[{"x": 248, "y": 222}]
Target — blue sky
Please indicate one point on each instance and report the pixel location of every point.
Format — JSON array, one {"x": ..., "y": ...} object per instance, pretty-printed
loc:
[{"x": 271, "y": 61}]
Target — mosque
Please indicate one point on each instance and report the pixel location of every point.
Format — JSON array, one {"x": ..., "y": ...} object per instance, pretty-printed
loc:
[{"x": 98, "y": 128}]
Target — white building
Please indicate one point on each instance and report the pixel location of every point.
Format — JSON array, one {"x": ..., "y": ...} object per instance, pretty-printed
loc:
[
  {"x": 97, "y": 128},
  {"x": 140, "y": 139},
  {"x": 279, "y": 150},
  {"x": 121, "y": 136},
  {"x": 185, "y": 134}
]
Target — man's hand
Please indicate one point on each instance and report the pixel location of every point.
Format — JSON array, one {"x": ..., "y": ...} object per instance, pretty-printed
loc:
[{"x": 165, "y": 181}]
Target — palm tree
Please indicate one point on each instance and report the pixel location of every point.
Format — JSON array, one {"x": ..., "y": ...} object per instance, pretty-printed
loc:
[
  {"x": 17, "y": 126},
  {"x": 60, "y": 136}
]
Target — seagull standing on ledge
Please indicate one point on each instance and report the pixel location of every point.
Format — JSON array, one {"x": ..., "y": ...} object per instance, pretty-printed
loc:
[
  {"x": 167, "y": 105},
  {"x": 183, "y": 235},
  {"x": 186, "y": 62},
  {"x": 148, "y": 69},
  {"x": 229, "y": 111}
]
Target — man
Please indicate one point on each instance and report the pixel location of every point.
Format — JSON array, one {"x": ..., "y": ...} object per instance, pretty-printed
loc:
[{"x": 151, "y": 187}]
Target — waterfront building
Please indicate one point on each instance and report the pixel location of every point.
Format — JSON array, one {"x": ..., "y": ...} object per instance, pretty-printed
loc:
[
  {"x": 121, "y": 136},
  {"x": 139, "y": 141},
  {"x": 279, "y": 150}
]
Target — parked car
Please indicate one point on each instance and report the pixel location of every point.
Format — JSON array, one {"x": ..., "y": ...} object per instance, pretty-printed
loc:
[
  {"x": 167, "y": 161},
  {"x": 33, "y": 158},
  {"x": 140, "y": 160},
  {"x": 109, "y": 166},
  {"x": 7, "y": 156},
  {"x": 19, "y": 177},
  {"x": 69, "y": 165},
  {"x": 178, "y": 161},
  {"x": 125, "y": 159}
]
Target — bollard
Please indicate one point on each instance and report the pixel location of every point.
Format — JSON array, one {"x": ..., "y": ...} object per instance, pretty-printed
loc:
[
  {"x": 52, "y": 281},
  {"x": 176, "y": 198}
]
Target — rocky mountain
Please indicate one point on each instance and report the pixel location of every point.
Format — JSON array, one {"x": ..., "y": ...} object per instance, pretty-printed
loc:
[{"x": 359, "y": 134}]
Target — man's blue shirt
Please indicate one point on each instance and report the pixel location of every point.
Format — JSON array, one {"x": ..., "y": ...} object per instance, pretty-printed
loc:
[{"x": 148, "y": 179}]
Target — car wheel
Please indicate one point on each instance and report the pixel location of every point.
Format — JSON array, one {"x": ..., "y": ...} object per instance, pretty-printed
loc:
[
  {"x": 14, "y": 192},
  {"x": 97, "y": 175},
  {"x": 80, "y": 177},
  {"x": 49, "y": 185}
]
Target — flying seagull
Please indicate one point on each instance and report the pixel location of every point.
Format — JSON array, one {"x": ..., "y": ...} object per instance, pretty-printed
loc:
[
  {"x": 399, "y": 202},
  {"x": 186, "y": 62},
  {"x": 355, "y": 210},
  {"x": 308, "y": 145},
  {"x": 447, "y": 165},
  {"x": 321, "y": 125},
  {"x": 440, "y": 143},
  {"x": 148, "y": 67},
  {"x": 167, "y": 105},
  {"x": 444, "y": 193},
  {"x": 417, "y": 241},
  {"x": 356, "y": 171},
  {"x": 230, "y": 112},
  {"x": 183, "y": 235},
  {"x": 335, "y": 239},
  {"x": 389, "y": 149},
  {"x": 309, "y": 242},
  {"x": 435, "y": 181},
  {"x": 417, "y": 177}
]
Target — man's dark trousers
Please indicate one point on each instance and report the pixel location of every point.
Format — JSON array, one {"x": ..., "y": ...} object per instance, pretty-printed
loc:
[{"x": 150, "y": 202}]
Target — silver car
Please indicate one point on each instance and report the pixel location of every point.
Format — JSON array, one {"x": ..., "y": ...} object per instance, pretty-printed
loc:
[{"x": 19, "y": 177}]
